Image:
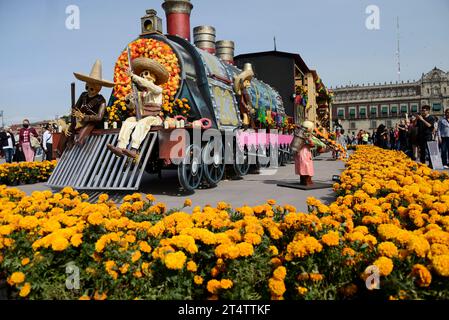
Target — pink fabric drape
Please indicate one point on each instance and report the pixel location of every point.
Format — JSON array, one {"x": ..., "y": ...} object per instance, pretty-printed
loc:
[{"x": 304, "y": 162}]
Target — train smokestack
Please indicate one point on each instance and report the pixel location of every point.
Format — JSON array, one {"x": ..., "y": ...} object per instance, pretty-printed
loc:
[
  {"x": 225, "y": 50},
  {"x": 204, "y": 38},
  {"x": 178, "y": 17}
]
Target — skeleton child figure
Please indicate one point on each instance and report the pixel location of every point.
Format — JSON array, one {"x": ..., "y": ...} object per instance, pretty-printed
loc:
[
  {"x": 302, "y": 144},
  {"x": 90, "y": 108},
  {"x": 242, "y": 83},
  {"x": 148, "y": 76}
]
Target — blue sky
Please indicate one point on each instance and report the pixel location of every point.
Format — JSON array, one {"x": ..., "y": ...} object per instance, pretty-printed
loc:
[{"x": 39, "y": 55}]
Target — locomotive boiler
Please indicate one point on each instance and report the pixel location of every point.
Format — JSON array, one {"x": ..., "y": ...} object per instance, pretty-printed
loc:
[{"x": 200, "y": 89}]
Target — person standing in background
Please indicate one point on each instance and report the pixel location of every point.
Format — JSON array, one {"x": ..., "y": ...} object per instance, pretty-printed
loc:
[
  {"x": 47, "y": 142},
  {"x": 365, "y": 137},
  {"x": 7, "y": 143},
  {"x": 426, "y": 128},
  {"x": 402, "y": 133},
  {"x": 25, "y": 134},
  {"x": 413, "y": 137},
  {"x": 443, "y": 138}
]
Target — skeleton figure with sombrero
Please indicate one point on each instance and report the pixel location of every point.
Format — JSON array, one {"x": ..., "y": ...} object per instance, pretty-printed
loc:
[
  {"x": 91, "y": 106},
  {"x": 148, "y": 75},
  {"x": 242, "y": 83}
]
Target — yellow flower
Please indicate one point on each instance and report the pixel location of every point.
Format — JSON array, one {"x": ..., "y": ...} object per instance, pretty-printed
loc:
[
  {"x": 385, "y": 265},
  {"x": 213, "y": 286},
  {"x": 302, "y": 290},
  {"x": 280, "y": 273},
  {"x": 98, "y": 296},
  {"x": 331, "y": 239},
  {"x": 175, "y": 261},
  {"x": 271, "y": 202},
  {"x": 76, "y": 240},
  {"x": 198, "y": 280},
  {"x": 16, "y": 278},
  {"x": 191, "y": 266},
  {"x": 136, "y": 256},
  {"x": 441, "y": 265},
  {"x": 387, "y": 249},
  {"x": 145, "y": 247},
  {"x": 274, "y": 251},
  {"x": 84, "y": 297},
  {"x": 25, "y": 261},
  {"x": 125, "y": 268},
  {"x": 187, "y": 203},
  {"x": 423, "y": 275},
  {"x": 25, "y": 291},
  {"x": 226, "y": 284},
  {"x": 277, "y": 287},
  {"x": 59, "y": 244}
]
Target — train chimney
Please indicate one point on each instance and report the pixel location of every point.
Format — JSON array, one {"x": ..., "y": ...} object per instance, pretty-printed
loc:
[
  {"x": 178, "y": 17},
  {"x": 204, "y": 38},
  {"x": 225, "y": 50}
]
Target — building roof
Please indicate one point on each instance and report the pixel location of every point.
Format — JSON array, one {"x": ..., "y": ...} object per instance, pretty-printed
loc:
[{"x": 298, "y": 60}]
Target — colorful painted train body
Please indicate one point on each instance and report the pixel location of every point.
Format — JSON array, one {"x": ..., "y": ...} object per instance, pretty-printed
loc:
[{"x": 207, "y": 84}]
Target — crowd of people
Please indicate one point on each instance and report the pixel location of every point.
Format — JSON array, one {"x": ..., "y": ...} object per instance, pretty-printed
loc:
[
  {"x": 25, "y": 143},
  {"x": 409, "y": 135}
]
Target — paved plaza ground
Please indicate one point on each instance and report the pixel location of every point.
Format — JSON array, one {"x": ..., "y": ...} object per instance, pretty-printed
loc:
[{"x": 253, "y": 189}]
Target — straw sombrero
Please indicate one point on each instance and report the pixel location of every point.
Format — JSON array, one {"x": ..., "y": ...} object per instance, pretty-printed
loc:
[
  {"x": 146, "y": 64},
  {"x": 246, "y": 74},
  {"x": 95, "y": 76}
]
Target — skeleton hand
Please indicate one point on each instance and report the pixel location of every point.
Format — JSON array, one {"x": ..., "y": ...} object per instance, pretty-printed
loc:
[
  {"x": 129, "y": 73},
  {"x": 67, "y": 132}
]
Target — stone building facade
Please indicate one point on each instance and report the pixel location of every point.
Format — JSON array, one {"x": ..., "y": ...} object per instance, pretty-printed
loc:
[{"x": 367, "y": 106}]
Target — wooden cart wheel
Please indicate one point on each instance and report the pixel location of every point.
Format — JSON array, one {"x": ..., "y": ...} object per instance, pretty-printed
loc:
[
  {"x": 213, "y": 162},
  {"x": 190, "y": 171},
  {"x": 241, "y": 167}
]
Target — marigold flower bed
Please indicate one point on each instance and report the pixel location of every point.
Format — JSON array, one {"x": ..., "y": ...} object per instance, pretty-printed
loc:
[
  {"x": 391, "y": 213},
  {"x": 25, "y": 172}
]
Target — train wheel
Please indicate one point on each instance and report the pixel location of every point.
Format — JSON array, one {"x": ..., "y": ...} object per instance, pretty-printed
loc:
[
  {"x": 241, "y": 163},
  {"x": 190, "y": 171},
  {"x": 213, "y": 163}
]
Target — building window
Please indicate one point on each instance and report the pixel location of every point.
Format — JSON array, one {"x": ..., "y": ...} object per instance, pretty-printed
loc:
[
  {"x": 352, "y": 113},
  {"x": 384, "y": 110},
  {"x": 414, "y": 108},
  {"x": 373, "y": 124},
  {"x": 352, "y": 126},
  {"x": 388, "y": 123},
  {"x": 362, "y": 112},
  {"x": 428, "y": 91},
  {"x": 404, "y": 108},
  {"x": 436, "y": 107},
  {"x": 341, "y": 113},
  {"x": 373, "y": 111},
  {"x": 394, "y": 109}
]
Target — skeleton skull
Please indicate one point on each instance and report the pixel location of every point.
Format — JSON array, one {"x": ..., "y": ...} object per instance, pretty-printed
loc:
[
  {"x": 92, "y": 89},
  {"x": 148, "y": 76}
]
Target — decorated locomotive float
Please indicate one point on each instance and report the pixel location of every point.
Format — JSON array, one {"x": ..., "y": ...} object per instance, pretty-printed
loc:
[{"x": 202, "y": 90}]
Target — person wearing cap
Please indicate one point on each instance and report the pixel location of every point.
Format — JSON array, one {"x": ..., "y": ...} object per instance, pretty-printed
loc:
[
  {"x": 242, "y": 83},
  {"x": 148, "y": 75},
  {"x": 91, "y": 105},
  {"x": 7, "y": 143},
  {"x": 426, "y": 128}
]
